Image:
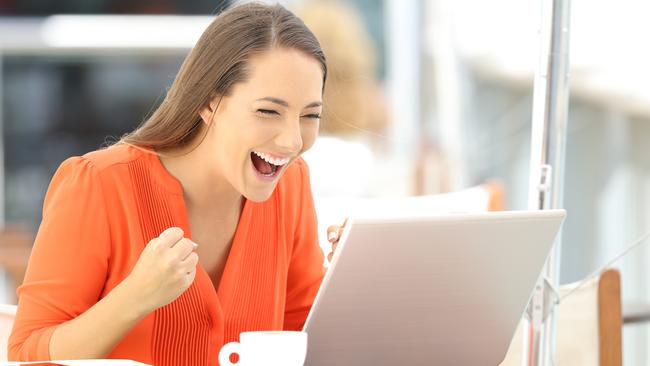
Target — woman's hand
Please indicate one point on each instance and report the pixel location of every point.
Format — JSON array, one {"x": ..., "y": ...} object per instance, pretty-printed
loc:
[
  {"x": 333, "y": 235},
  {"x": 165, "y": 269}
]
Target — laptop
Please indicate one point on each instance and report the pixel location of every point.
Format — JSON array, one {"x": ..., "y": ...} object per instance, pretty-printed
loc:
[{"x": 437, "y": 290}]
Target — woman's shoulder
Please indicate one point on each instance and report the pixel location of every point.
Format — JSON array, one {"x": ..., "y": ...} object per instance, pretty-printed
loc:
[
  {"x": 111, "y": 156},
  {"x": 104, "y": 165}
]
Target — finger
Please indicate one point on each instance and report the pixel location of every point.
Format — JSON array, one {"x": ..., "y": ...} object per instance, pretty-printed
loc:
[
  {"x": 194, "y": 246},
  {"x": 332, "y": 235},
  {"x": 332, "y": 228},
  {"x": 329, "y": 257},
  {"x": 182, "y": 249},
  {"x": 171, "y": 236},
  {"x": 186, "y": 240},
  {"x": 189, "y": 263},
  {"x": 334, "y": 232},
  {"x": 342, "y": 227},
  {"x": 345, "y": 222}
]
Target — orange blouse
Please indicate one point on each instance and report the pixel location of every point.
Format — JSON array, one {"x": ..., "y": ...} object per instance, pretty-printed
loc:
[{"x": 103, "y": 208}]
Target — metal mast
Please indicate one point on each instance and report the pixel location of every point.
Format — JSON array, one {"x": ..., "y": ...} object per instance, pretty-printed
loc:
[{"x": 550, "y": 109}]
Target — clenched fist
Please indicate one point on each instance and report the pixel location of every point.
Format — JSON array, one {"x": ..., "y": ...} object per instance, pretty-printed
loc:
[{"x": 165, "y": 269}]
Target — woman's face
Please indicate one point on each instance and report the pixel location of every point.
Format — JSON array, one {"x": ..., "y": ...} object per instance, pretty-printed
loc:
[{"x": 266, "y": 122}]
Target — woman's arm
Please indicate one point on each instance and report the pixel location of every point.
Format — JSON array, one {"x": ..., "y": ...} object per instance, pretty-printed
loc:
[
  {"x": 96, "y": 332},
  {"x": 61, "y": 312},
  {"x": 164, "y": 271},
  {"x": 68, "y": 265}
]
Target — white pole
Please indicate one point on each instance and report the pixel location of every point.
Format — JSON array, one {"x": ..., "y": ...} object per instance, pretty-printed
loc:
[
  {"x": 403, "y": 40},
  {"x": 448, "y": 89},
  {"x": 548, "y": 140}
]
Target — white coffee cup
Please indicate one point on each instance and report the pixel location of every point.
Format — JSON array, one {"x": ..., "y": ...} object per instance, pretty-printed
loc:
[{"x": 273, "y": 348}]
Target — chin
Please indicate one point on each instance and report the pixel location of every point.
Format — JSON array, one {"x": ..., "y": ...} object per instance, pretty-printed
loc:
[
  {"x": 259, "y": 195},
  {"x": 257, "y": 188}
]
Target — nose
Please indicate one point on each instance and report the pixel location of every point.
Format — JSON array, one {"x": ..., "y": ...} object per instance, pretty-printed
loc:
[{"x": 289, "y": 138}]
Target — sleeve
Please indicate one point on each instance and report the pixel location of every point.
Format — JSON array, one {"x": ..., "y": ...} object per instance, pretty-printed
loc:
[
  {"x": 69, "y": 261},
  {"x": 306, "y": 269}
]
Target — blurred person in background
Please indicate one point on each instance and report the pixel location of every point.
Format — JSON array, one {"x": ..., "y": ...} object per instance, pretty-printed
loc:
[
  {"x": 199, "y": 224},
  {"x": 354, "y": 117},
  {"x": 355, "y": 105}
]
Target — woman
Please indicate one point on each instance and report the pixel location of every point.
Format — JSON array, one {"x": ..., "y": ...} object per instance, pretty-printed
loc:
[{"x": 196, "y": 226}]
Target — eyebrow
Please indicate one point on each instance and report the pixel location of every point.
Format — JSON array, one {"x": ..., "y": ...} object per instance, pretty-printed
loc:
[{"x": 285, "y": 104}]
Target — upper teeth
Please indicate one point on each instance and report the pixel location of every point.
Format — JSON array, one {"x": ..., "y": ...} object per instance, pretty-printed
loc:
[{"x": 272, "y": 160}]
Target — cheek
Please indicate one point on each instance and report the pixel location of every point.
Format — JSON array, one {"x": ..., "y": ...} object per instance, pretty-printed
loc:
[
  {"x": 229, "y": 145},
  {"x": 244, "y": 134}
]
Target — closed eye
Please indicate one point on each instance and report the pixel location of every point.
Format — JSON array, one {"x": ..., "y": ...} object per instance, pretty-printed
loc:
[
  {"x": 268, "y": 111},
  {"x": 313, "y": 116}
]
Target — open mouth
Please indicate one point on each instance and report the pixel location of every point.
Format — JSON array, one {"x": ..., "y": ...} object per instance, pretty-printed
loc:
[{"x": 266, "y": 165}]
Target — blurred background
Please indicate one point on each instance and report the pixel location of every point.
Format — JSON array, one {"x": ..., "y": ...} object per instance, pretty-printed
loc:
[{"x": 425, "y": 97}]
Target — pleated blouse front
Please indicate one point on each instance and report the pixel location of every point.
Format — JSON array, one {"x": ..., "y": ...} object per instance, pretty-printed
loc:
[{"x": 103, "y": 208}]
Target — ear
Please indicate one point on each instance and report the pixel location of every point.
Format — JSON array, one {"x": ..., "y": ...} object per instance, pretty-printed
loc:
[{"x": 208, "y": 111}]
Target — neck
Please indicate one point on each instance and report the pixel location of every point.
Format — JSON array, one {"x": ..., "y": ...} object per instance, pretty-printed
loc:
[{"x": 203, "y": 191}]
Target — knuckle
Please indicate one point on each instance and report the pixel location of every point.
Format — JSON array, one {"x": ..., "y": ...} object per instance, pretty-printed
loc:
[
  {"x": 180, "y": 245},
  {"x": 172, "y": 234},
  {"x": 194, "y": 258},
  {"x": 170, "y": 262},
  {"x": 153, "y": 244},
  {"x": 156, "y": 247},
  {"x": 186, "y": 243}
]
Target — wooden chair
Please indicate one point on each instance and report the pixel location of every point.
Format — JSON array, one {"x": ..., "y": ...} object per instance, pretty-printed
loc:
[
  {"x": 589, "y": 328},
  {"x": 7, "y": 316}
]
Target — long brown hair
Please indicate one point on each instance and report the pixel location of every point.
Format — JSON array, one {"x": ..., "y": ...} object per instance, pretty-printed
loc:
[{"x": 216, "y": 63}]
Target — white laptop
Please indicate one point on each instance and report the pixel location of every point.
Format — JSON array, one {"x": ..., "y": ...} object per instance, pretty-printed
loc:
[{"x": 439, "y": 290}]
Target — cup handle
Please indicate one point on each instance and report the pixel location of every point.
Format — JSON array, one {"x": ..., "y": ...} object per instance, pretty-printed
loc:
[{"x": 226, "y": 351}]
